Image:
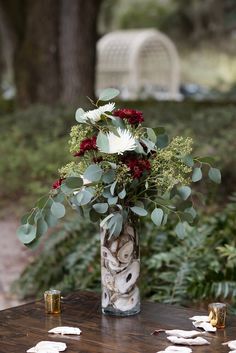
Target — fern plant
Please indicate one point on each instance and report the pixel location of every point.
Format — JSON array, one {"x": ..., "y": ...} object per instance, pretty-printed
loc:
[{"x": 197, "y": 269}]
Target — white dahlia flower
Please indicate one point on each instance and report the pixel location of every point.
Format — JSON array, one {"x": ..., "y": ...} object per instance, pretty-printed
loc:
[
  {"x": 95, "y": 114},
  {"x": 119, "y": 144}
]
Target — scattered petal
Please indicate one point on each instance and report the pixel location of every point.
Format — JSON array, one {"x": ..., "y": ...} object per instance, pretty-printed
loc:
[
  {"x": 206, "y": 326},
  {"x": 203, "y": 318},
  {"x": 198, "y": 341},
  {"x": 48, "y": 347},
  {"x": 66, "y": 330},
  {"x": 183, "y": 333},
  {"x": 178, "y": 349}
]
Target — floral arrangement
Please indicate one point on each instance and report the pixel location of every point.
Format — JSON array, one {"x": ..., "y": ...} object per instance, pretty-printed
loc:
[{"x": 120, "y": 169}]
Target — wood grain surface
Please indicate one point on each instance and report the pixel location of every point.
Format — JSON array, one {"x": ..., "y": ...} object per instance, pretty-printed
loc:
[{"x": 22, "y": 327}]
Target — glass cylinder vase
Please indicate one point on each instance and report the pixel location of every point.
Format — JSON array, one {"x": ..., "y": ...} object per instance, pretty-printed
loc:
[{"x": 120, "y": 268}]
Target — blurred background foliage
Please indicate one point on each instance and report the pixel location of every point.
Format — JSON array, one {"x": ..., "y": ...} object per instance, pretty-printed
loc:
[{"x": 36, "y": 115}]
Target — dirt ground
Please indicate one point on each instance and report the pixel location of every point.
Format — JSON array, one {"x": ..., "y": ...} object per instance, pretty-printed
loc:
[{"x": 13, "y": 259}]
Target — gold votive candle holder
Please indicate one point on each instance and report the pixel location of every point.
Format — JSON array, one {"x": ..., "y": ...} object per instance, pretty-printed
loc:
[
  {"x": 217, "y": 314},
  {"x": 52, "y": 299}
]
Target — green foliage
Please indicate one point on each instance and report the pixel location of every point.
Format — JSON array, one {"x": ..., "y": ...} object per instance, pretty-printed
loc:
[
  {"x": 201, "y": 267},
  {"x": 32, "y": 148}
]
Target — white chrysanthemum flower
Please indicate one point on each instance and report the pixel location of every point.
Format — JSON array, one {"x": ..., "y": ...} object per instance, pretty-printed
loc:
[
  {"x": 95, "y": 114},
  {"x": 119, "y": 144}
]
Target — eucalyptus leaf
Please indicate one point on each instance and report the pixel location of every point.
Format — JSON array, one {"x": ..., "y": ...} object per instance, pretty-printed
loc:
[
  {"x": 187, "y": 217},
  {"x": 84, "y": 197},
  {"x": 42, "y": 227},
  {"x": 159, "y": 130},
  {"x": 26, "y": 233},
  {"x": 197, "y": 174},
  {"x": 105, "y": 220},
  {"x": 106, "y": 193},
  {"x": 24, "y": 219},
  {"x": 108, "y": 93},
  {"x": 184, "y": 192},
  {"x": 180, "y": 230},
  {"x": 79, "y": 115},
  {"x": 117, "y": 122},
  {"x": 162, "y": 141},
  {"x": 50, "y": 219},
  {"x": 60, "y": 197},
  {"x": 139, "y": 211},
  {"x": 58, "y": 210},
  {"x": 206, "y": 159},
  {"x": 100, "y": 207},
  {"x": 115, "y": 224},
  {"x": 188, "y": 160},
  {"x": 151, "y": 135},
  {"x": 93, "y": 173},
  {"x": 112, "y": 200},
  {"x": 192, "y": 211},
  {"x": 65, "y": 189},
  {"x": 215, "y": 175},
  {"x": 102, "y": 142},
  {"x": 109, "y": 176},
  {"x": 157, "y": 216},
  {"x": 112, "y": 188},
  {"x": 42, "y": 201},
  {"x": 74, "y": 182},
  {"x": 122, "y": 194}
]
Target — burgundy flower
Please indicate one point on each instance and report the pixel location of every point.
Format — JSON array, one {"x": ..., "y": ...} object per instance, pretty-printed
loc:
[
  {"x": 87, "y": 144},
  {"x": 131, "y": 115},
  {"x": 57, "y": 183},
  {"x": 137, "y": 166}
]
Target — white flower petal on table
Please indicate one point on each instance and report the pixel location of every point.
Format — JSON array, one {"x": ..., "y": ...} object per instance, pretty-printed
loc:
[
  {"x": 119, "y": 144},
  {"x": 203, "y": 318},
  {"x": 232, "y": 345},
  {"x": 206, "y": 326},
  {"x": 95, "y": 114},
  {"x": 42, "y": 350},
  {"x": 65, "y": 330},
  {"x": 183, "y": 333},
  {"x": 178, "y": 349},
  {"x": 198, "y": 341},
  {"x": 173, "y": 349},
  {"x": 48, "y": 347}
]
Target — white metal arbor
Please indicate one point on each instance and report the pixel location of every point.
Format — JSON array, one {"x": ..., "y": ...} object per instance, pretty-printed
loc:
[{"x": 139, "y": 63}]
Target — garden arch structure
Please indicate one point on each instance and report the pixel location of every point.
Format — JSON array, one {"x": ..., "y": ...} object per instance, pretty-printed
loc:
[{"x": 138, "y": 62}]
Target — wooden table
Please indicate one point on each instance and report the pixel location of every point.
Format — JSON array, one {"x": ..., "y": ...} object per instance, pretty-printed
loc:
[{"x": 22, "y": 327}]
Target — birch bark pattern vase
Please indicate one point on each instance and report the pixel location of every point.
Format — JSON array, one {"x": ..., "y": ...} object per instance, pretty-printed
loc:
[{"x": 120, "y": 268}]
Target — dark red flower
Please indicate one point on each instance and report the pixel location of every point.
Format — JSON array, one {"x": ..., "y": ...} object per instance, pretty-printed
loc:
[
  {"x": 57, "y": 183},
  {"x": 87, "y": 144},
  {"x": 131, "y": 115},
  {"x": 138, "y": 166}
]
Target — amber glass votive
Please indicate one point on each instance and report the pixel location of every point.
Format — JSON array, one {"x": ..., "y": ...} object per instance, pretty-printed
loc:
[
  {"x": 52, "y": 299},
  {"x": 217, "y": 314}
]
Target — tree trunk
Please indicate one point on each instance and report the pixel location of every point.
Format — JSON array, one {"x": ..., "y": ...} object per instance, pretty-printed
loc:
[
  {"x": 37, "y": 60},
  {"x": 78, "y": 37},
  {"x": 7, "y": 42},
  {"x": 55, "y": 49}
]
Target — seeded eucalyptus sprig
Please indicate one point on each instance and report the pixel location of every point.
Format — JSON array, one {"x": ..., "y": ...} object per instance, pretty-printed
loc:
[{"x": 121, "y": 170}]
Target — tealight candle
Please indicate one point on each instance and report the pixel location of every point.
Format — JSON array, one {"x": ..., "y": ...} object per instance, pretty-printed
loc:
[
  {"x": 52, "y": 299},
  {"x": 217, "y": 314}
]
